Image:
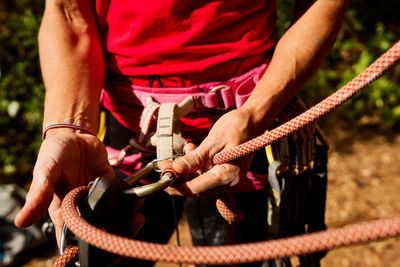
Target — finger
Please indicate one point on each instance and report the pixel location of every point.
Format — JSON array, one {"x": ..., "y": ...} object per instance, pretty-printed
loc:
[
  {"x": 214, "y": 181},
  {"x": 138, "y": 221},
  {"x": 37, "y": 200},
  {"x": 55, "y": 213},
  {"x": 208, "y": 166},
  {"x": 173, "y": 191},
  {"x": 164, "y": 164},
  {"x": 189, "y": 148},
  {"x": 192, "y": 161}
]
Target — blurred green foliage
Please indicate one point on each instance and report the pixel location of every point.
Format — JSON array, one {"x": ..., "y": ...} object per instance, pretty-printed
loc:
[
  {"x": 370, "y": 28},
  {"x": 21, "y": 89}
]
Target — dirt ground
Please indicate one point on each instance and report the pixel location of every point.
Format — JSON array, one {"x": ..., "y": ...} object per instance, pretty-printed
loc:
[{"x": 364, "y": 184}]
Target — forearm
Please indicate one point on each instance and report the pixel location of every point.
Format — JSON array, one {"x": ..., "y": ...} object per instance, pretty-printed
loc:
[
  {"x": 72, "y": 63},
  {"x": 297, "y": 56}
]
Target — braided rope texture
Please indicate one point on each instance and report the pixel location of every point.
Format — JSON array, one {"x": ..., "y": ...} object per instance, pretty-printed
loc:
[
  {"x": 370, "y": 74},
  {"x": 227, "y": 209},
  {"x": 374, "y": 71},
  {"x": 260, "y": 251},
  {"x": 67, "y": 258},
  {"x": 242, "y": 253}
]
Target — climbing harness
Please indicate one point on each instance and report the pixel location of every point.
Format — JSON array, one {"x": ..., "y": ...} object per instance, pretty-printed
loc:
[
  {"x": 261, "y": 251},
  {"x": 215, "y": 96}
]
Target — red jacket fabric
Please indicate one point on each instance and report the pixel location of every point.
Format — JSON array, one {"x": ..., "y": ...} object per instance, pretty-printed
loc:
[
  {"x": 173, "y": 37},
  {"x": 186, "y": 43}
]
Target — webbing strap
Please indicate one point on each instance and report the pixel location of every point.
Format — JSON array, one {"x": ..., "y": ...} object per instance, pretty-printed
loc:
[
  {"x": 165, "y": 130},
  {"x": 146, "y": 117},
  {"x": 169, "y": 140},
  {"x": 255, "y": 251}
]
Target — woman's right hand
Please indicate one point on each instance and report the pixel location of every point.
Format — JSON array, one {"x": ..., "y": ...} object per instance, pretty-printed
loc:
[{"x": 67, "y": 159}]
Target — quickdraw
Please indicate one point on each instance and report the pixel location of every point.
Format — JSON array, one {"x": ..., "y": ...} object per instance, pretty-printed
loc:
[{"x": 281, "y": 248}]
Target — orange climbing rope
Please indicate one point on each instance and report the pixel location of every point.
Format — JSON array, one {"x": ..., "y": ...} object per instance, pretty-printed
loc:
[
  {"x": 242, "y": 253},
  {"x": 260, "y": 251}
]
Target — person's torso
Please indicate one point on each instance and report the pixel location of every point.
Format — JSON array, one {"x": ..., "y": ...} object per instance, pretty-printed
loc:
[{"x": 172, "y": 37}]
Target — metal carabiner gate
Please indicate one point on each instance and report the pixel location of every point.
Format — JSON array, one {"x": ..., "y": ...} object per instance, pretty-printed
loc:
[{"x": 109, "y": 206}]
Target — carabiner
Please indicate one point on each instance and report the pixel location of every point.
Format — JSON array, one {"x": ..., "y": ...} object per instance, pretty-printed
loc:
[
  {"x": 67, "y": 239},
  {"x": 167, "y": 177},
  {"x": 109, "y": 206},
  {"x": 140, "y": 174}
]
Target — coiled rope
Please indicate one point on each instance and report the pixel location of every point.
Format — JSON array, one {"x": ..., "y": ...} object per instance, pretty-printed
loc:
[
  {"x": 241, "y": 253},
  {"x": 260, "y": 251}
]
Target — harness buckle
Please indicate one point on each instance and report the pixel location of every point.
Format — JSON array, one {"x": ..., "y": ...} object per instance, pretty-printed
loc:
[
  {"x": 218, "y": 87},
  {"x": 226, "y": 98}
]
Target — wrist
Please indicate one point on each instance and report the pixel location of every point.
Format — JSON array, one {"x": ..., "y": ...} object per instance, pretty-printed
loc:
[
  {"x": 261, "y": 115},
  {"x": 54, "y": 128},
  {"x": 72, "y": 109},
  {"x": 268, "y": 100}
]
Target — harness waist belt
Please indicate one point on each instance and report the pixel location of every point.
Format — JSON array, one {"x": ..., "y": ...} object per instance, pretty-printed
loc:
[{"x": 213, "y": 95}]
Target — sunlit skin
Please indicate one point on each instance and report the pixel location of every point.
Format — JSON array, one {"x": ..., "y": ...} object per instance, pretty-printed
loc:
[{"x": 70, "y": 158}]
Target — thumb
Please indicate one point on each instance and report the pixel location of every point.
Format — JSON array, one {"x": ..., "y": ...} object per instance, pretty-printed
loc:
[
  {"x": 194, "y": 159},
  {"x": 37, "y": 201}
]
